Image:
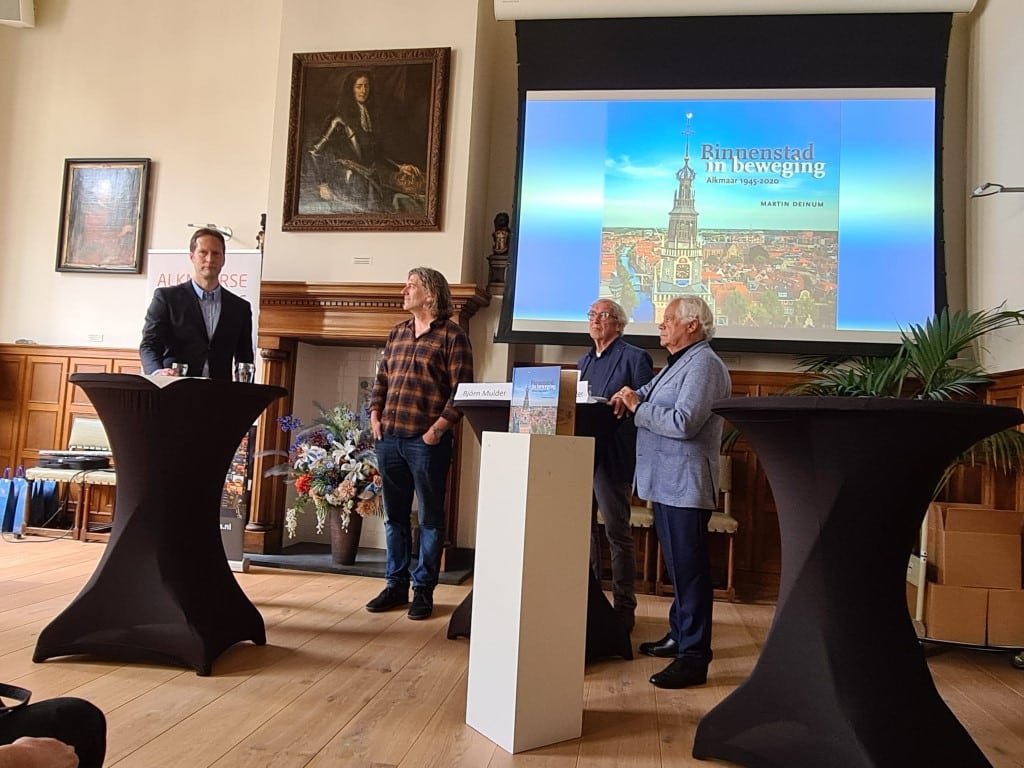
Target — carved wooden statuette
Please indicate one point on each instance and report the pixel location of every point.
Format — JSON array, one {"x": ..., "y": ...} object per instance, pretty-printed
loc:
[{"x": 498, "y": 259}]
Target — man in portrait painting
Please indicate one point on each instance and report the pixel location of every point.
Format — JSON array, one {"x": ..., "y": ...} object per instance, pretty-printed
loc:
[{"x": 352, "y": 164}]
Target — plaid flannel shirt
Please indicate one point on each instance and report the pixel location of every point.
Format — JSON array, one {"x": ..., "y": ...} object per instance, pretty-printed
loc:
[{"x": 418, "y": 376}]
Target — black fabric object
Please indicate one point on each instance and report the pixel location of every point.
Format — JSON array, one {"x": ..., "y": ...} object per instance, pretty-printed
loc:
[
  {"x": 163, "y": 591},
  {"x": 43, "y": 504},
  {"x": 74, "y": 721},
  {"x": 20, "y": 696},
  {"x": 73, "y": 462},
  {"x": 839, "y": 50},
  {"x": 606, "y": 636},
  {"x": 842, "y": 679},
  {"x": 461, "y": 619}
]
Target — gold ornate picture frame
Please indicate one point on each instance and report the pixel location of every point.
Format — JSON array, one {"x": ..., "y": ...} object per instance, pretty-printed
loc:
[
  {"x": 366, "y": 140},
  {"x": 103, "y": 215}
]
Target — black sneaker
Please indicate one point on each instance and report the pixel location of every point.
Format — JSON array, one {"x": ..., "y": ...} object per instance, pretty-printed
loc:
[
  {"x": 391, "y": 597},
  {"x": 422, "y": 604}
]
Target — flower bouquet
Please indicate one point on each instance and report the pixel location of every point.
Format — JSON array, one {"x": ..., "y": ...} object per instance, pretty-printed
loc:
[{"x": 333, "y": 465}]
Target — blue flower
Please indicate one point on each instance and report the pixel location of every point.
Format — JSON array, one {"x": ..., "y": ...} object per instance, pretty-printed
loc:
[{"x": 333, "y": 466}]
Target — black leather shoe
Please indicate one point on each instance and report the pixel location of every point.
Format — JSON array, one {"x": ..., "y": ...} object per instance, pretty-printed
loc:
[
  {"x": 422, "y": 604},
  {"x": 391, "y": 597},
  {"x": 666, "y": 648},
  {"x": 681, "y": 673}
]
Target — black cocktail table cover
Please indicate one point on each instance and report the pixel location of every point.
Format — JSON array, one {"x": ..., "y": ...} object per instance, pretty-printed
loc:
[
  {"x": 842, "y": 680},
  {"x": 163, "y": 591}
]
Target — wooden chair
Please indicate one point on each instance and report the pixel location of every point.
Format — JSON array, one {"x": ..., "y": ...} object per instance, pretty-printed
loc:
[
  {"x": 641, "y": 522},
  {"x": 96, "y": 514},
  {"x": 723, "y": 522},
  {"x": 89, "y": 494}
]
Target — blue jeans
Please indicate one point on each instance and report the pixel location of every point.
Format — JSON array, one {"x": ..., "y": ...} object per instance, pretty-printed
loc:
[{"x": 407, "y": 466}]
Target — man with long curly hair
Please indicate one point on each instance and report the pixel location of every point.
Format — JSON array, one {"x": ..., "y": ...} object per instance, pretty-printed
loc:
[{"x": 411, "y": 415}]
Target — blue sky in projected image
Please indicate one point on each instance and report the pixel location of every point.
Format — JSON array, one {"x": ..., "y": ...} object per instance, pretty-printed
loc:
[
  {"x": 618, "y": 160},
  {"x": 598, "y": 163},
  {"x": 645, "y": 149}
]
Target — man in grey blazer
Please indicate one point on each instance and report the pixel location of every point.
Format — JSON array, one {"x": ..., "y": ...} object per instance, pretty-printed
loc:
[
  {"x": 199, "y": 322},
  {"x": 677, "y": 448}
]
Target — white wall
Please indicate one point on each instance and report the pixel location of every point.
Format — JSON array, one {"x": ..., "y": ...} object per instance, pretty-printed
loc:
[
  {"x": 995, "y": 113},
  {"x": 203, "y": 89},
  {"x": 189, "y": 84},
  {"x": 321, "y": 25}
]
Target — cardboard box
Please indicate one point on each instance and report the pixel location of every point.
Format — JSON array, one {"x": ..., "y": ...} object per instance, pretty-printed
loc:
[
  {"x": 936, "y": 514},
  {"x": 958, "y": 614},
  {"x": 974, "y": 546},
  {"x": 1006, "y": 617}
]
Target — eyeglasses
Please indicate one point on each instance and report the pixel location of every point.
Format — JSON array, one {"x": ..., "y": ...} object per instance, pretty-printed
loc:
[{"x": 599, "y": 315}]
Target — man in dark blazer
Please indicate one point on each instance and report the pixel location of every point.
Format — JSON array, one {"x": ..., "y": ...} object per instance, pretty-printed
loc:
[
  {"x": 608, "y": 367},
  {"x": 199, "y": 322}
]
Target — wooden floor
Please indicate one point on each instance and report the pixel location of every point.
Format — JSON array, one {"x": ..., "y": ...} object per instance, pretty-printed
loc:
[{"x": 336, "y": 686}]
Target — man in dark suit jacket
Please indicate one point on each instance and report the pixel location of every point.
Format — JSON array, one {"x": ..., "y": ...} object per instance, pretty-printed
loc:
[
  {"x": 200, "y": 322},
  {"x": 611, "y": 365}
]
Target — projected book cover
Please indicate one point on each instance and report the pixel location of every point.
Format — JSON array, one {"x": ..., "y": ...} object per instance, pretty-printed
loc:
[
  {"x": 534, "y": 408},
  {"x": 806, "y": 214}
]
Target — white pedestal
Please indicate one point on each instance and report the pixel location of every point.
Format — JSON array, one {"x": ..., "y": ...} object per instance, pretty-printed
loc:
[{"x": 526, "y": 650}]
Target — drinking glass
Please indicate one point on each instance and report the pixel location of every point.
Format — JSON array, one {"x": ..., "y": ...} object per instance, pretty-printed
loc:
[{"x": 244, "y": 372}]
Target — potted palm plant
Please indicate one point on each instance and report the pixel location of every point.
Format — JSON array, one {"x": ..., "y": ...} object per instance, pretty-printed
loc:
[{"x": 929, "y": 364}]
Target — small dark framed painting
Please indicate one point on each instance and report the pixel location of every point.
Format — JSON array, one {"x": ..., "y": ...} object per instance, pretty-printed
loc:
[
  {"x": 366, "y": 140},
  {"x": 103, "y": 215}
]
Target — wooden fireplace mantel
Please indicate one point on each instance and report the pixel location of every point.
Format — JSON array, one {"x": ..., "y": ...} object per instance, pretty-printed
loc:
[{"x": 342, "y": 314}]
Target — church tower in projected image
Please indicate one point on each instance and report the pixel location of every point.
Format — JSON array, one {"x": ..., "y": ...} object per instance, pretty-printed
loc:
[{"x": 680, "y": 270}]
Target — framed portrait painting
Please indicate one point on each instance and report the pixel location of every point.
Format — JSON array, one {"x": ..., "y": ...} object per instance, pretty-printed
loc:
[
  {"x": 366, "y": 140},
  {"x": 103, "y": 215}
]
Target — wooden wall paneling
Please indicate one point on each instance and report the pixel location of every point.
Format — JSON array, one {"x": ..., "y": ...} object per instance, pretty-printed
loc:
[
  {"x": 1007, "y": 491},
  {"x": 77, "y": 402},
  {"x": 127, "y": 365},
  {"x": 35, "y": 397},
  {"x": 76, "y": 397},
  {"x": 45, "y": 383},
  {"x": 12, "y": 371},
  {"x": 758, "y": 543}
]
